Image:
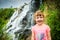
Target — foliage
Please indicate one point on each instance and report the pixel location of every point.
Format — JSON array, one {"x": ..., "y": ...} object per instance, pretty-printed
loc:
[
  {"x": 5, "y": 14},
  {"x": 51, "y": 10}
]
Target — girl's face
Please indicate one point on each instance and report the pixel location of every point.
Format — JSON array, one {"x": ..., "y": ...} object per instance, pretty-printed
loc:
[{"x": 39, "y": 20}]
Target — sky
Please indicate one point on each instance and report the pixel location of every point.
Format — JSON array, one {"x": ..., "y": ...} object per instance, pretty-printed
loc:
[{"x": 13, "y": 3}]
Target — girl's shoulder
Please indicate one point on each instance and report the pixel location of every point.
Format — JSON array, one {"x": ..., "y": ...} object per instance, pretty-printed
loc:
[
  {"x": 47, "y": 27},
  {"x": 33, "y": 27}
]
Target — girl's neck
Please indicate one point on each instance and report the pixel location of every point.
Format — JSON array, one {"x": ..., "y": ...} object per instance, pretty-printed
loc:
[{"x": 40, "y": 24}]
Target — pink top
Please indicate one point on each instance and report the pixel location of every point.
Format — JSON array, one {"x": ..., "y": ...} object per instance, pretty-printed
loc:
[{"x": 40, "y": 32}]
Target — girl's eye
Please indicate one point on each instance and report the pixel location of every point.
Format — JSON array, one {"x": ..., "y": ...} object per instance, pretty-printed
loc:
[
  {"x": 41, "y": 17},
  {"x": 37, "y": 17}
]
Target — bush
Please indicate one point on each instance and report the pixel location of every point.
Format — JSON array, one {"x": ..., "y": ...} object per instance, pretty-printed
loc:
[
  {"x": 51, "y": 10},
  {"x": 5, "y": 14}
]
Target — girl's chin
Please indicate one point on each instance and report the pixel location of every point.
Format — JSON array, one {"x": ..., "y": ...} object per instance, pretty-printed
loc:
[{"x": 40, "y": 23}]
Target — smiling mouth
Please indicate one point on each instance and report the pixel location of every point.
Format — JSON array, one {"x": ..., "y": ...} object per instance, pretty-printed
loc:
[{"x": 39, "y": 21}]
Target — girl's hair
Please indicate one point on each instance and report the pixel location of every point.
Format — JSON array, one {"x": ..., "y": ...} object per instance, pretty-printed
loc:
[{"x": 38, "y": 13}]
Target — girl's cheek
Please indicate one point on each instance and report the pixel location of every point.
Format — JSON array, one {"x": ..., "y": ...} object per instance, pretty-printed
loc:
[{"x": 36, "y": 20}]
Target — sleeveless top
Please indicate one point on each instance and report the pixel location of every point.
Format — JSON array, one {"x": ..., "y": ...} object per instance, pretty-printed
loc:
[{"x": 40, "y": 32}]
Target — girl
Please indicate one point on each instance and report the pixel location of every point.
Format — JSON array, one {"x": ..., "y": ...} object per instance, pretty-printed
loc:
[{"x": 40, "y": 31}]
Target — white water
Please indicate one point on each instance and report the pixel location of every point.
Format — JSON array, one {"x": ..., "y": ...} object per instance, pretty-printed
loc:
[
  {"x": 21, "y": 19},
  {"x": 16, "y": 19}
]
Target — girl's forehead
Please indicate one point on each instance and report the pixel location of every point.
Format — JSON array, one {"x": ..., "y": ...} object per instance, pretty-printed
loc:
[{"x": 39, "y": 16}]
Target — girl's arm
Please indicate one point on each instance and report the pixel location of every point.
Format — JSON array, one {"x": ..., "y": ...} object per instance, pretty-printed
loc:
[
  {"x": 49, "y": 36},
  {"x": 48, "y": 33},
  {"x": 32, "y": 37}
]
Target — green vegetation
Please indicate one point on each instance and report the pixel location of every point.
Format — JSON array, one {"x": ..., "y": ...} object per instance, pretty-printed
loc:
[
  {"x": 52, "y": 17},
  {"x": 5, "y": 15},
  {"x": 51, "y": 9}
]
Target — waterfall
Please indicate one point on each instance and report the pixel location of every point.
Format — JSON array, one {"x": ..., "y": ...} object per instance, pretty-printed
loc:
[{"x": 22, "y": 19}]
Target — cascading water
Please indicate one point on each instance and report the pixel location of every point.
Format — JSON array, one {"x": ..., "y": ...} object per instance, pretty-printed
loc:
[{"x": 22, "y": 20}]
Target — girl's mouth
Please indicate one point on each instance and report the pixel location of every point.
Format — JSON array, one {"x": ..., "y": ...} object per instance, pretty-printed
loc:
[{"x": 39, "y": 21}]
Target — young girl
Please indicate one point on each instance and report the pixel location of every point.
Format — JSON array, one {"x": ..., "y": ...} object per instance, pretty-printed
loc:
[{"x": 40, "y": 31}]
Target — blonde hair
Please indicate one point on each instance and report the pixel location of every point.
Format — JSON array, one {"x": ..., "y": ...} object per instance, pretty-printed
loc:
[{"x": 38, "y": 13}]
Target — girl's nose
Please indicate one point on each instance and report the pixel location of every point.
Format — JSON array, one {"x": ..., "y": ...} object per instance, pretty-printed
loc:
[{"x": 39, "y": 18}]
